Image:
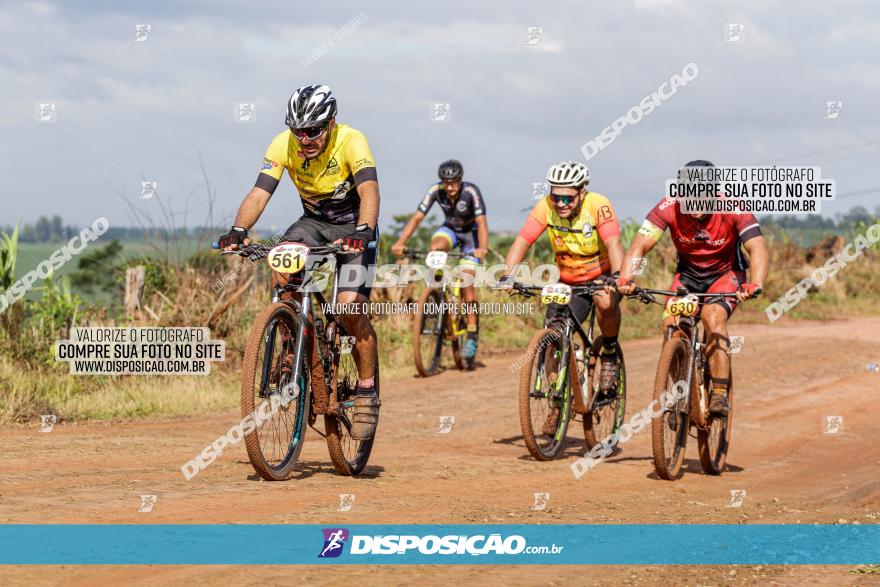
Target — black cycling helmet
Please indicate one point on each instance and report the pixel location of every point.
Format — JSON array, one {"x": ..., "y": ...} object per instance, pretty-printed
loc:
[
  {"x": 694, "y": 163},
  {"x": 310, "y": 106},
  {"x": 450, "y": 170}
]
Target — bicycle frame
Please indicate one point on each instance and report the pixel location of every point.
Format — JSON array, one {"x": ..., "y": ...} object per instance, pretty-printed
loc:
[
  {"x": 304, "y": 307},
  {"x": 571, "y": 327},
  {"x": 444, "y": 289}
]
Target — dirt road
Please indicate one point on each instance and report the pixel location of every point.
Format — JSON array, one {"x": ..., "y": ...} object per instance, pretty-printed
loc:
[{"x": 789, "y": 377}]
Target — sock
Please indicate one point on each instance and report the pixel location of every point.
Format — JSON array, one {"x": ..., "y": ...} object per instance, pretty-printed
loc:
[
  {"x": 366, "y": 385},
  {"x": 609, "y": 345},
  {"x": 720, "y": 386}
]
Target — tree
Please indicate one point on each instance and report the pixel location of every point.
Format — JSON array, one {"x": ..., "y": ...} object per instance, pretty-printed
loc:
[
  {"x": 43, "y": 229},
  {"x": 57, "y": 228}
]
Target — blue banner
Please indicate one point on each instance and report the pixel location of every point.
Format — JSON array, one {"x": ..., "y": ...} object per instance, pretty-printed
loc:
[{"x": 518, "y": 544}]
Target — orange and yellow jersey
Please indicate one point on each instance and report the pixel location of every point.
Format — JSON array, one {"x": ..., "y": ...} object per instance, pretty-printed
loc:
[
  {"x": 327, "y": 185},
  {"x": 578, "y": 242}
]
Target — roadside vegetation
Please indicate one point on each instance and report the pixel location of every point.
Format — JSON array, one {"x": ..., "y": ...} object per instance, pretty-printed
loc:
[{"x": 181, "y": 277}]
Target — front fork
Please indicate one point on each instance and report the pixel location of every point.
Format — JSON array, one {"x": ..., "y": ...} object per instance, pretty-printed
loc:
[
  {"x": 562, "y": 389},
  {"x": 694, "y": 413},
  {"x": 304, "y": 308}
]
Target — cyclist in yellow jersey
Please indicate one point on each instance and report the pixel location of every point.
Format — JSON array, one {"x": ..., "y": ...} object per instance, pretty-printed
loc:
[
  {"x": 585, "y": 237},
  {"x": 335, "y": 175}
]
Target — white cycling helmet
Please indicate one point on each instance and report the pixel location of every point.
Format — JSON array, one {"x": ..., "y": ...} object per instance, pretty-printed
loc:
[
  {"x": 569, "y": 174},
  {"x": 310, "y": 106}
]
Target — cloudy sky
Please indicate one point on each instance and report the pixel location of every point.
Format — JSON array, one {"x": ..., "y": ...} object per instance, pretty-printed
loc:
[{"x": 128, "y": 111}]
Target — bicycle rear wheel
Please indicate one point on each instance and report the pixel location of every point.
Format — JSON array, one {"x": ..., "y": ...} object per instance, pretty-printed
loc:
[
  {"x": 545, "y": 390},
  {"x": 428, "y": 333},
  {"x": 278, "y": 406},
  {"x": 349, "y": 456},
  {"x": 714, "y": 441},
  {"x": 605, "y": 416},
  {"x": 669, "y": 431}
]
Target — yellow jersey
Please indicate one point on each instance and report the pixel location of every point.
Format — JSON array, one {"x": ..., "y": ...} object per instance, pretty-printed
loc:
[
  {"x": 327, "y": 184},
  {"x": 578, "y": 243}
]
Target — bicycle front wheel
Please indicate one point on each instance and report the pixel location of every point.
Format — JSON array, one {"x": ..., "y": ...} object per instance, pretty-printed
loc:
[
  {"x": 544, "y": 395},
  {"x": 669, "y": 431},
  {"x": 457, "y": 325},
  {"x": 428, "y": 333},
  {"x": 278, "y": 406}
]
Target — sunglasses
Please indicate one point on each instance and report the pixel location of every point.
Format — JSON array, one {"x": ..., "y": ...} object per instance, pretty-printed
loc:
[
  {"x": 564, "y": 200},
  {"x": 308, "y": 133}
]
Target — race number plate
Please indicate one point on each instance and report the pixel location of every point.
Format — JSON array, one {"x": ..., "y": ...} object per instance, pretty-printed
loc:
[
  {"x": 684, "y": 306},
  {"x": 557, "y": 293},
  {"x": 436, "y": 259},
  {"x": 288, "y": 258}
]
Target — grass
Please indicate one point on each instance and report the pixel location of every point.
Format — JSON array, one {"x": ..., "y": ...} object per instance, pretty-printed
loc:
[{"x": 32, "y": 392}]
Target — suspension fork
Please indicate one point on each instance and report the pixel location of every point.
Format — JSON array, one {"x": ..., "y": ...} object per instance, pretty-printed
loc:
[
  {"x": 693, "y": 349},
  {"x": 566, "y": 350},
  {"x": 300, "y": 341}
]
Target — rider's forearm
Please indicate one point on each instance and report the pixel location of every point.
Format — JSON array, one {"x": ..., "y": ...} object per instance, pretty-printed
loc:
[
  {"x": 615, "y": 253},
  {"x": 516, "y": 254},
  {"x": 759, "y": 258},
  {"x": 483, "y": 232},
  {"x": 410, "y": 227},
  {"x": 252, "y": 207},
  {"x": 369, "y": 210}
]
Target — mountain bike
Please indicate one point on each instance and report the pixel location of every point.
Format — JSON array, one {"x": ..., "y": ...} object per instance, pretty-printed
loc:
[
  {"x": 298, "y": 365},
  {"x": 561, "y": 349},
  {"x": 683, "y": 363},
  {"x": 441, "y": 315}
]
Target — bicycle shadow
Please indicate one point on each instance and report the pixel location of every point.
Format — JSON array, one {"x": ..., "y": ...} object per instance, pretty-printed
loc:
[
  {"x": 693, "y": 466},
  {"x": 306, "y": 469},
  {"x": 573, "y": 447},
  {"x": 452, "y": 369}
]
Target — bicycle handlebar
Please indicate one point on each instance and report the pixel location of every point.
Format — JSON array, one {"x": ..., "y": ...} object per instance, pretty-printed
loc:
[
  {"x": 529, "y": 290},
  {"x": 413, "y": 253},
  {"x": 260, "y": 251},
  {"x": 646, "y": 295}
]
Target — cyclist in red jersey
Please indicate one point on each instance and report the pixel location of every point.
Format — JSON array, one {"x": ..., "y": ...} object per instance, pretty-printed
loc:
[{"x": 710, "y": 260}]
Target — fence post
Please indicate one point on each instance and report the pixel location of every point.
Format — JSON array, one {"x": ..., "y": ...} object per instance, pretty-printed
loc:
[{"x": 134, "y": 290}]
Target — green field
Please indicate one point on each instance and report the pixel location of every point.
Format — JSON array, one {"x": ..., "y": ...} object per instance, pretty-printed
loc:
[{"x": 32, "y": 254}]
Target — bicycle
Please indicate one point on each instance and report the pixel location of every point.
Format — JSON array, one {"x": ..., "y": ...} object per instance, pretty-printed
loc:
[
  {"x": 683, "y": 362},
  {"x": 302, "y": 365},
  {"x": 544, "y": 386},
  {"x": 440, "y": 315}
]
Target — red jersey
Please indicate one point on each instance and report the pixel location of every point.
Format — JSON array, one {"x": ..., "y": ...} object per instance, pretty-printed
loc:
[{"x": 707, "y": 247}]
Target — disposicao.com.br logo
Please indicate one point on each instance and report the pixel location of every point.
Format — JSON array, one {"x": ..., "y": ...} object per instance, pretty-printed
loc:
[{"x": 430, "y": 544}]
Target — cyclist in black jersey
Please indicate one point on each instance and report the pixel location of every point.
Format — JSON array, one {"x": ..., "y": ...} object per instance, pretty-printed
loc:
[{"x": 465, "y": 227}]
